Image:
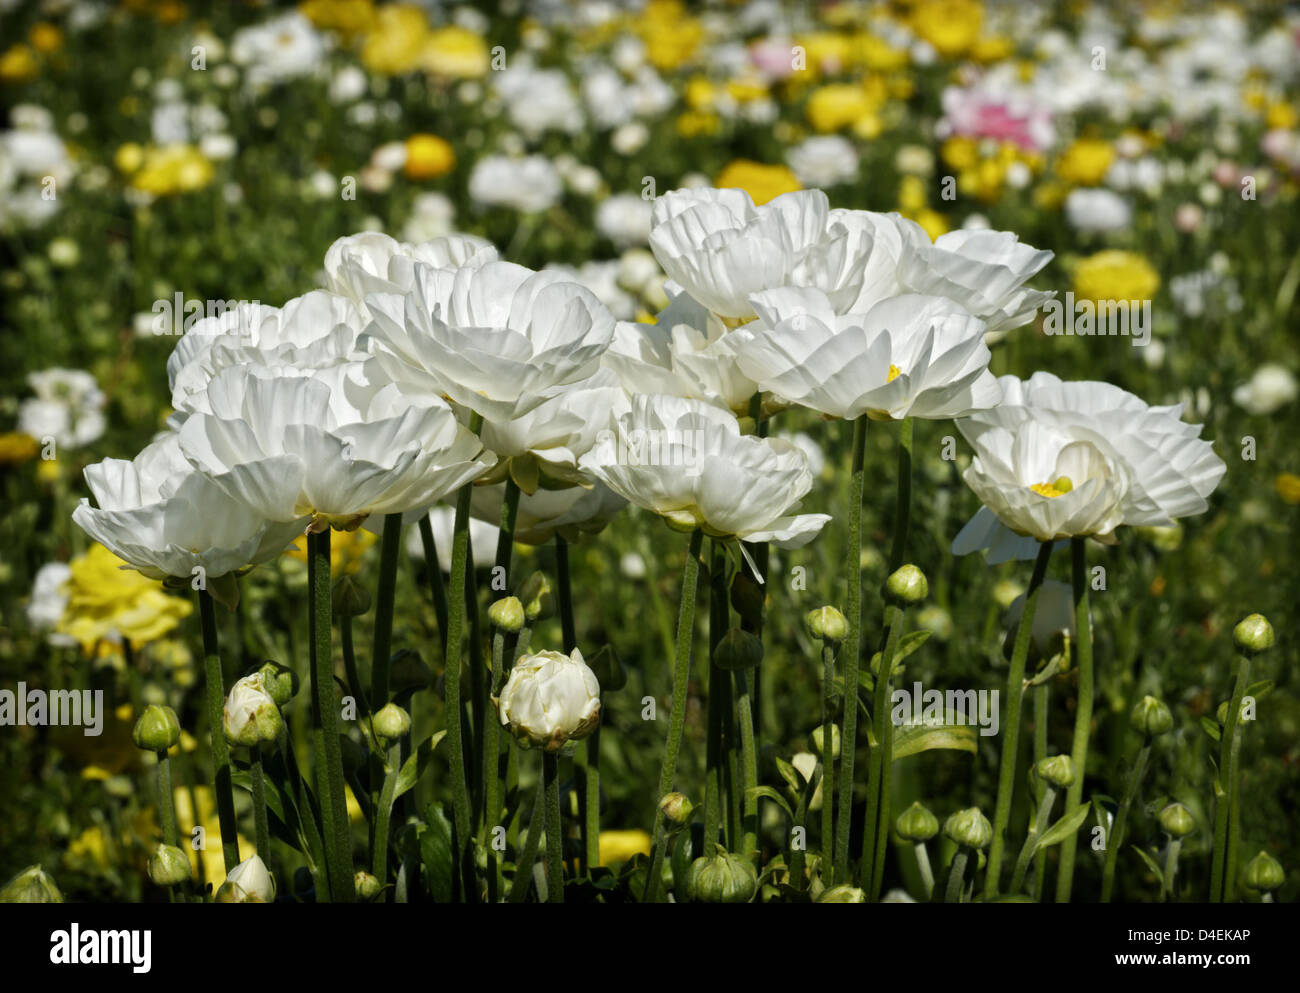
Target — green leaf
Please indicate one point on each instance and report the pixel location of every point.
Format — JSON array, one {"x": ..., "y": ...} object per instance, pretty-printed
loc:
[
  {"x": 435, "y": 853},
  {"x": 912, "y": 738},
  {"x": 1152, "y": 864},
  {"x": 771, "y": 794},
  {"x": 1261, "y": 689},
  {"x": 907, "y": 644},
  {"x": 1064, "y": 829},
  {"x": 1211, "y": 727},
  {"x": 285, "y": 827},
  {"x": 416, "y": 763},
  {"x": 791, "y": 775}
]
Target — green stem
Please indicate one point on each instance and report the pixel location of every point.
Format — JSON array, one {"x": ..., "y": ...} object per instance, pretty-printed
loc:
[
  {"x": 1035, "y": 830},
  {"x": 554, "y": 838},
  {"x": 383, "y": 644},
  {"x": 719, "y": 695},
  {"x": 1116, "y": 838},
  {"x": 956, "y": 870},
  {"x": 1011, "y": 722},
  {"x": 828, "y": 765},
  {"x": 903, "y": 509},
  {"x": 261, "y": 830},
  {"x": 216, "y": 700},
  {"x": 1229, "y": 748},
  {"x": 436, "y": 584},
  {"x": 166, "y": 806},
  {"x": 591, "y": 771},
  {"x": 492, "y": 767},
  {"x": 923, "y": 866},
  {"x": 1082, "y": 713},
  {"x": 528, "y": 855},
  {"x": 681, "y": 681},
  {"x": 1171, "y": 870},
  {"x": 325, "y": 715},
  {"x": 451, "y": 681},
  {"x": 876, "y": 826},
  {"x": 853, "y": 651},
  {"x": 1041, "y": 692},
  {"x": 350, "y": 665},
  {"x": 506, "y": 534},
  {"x": 383, "y": 812},
  {"x": 749, "y": 768}
]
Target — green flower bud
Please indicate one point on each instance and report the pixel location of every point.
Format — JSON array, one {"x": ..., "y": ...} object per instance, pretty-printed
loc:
[
  {"x": 1151, "y": 717},
  {"x": 1221, "y": 712},
  {"x": 907, "y": 586},
  {"x": 608, "y": 669},
  {"x": 349, "y": 598},
  {"x": 536, "y": 597},
  {"x": 1253, "y": 635},
  {"x": 1057, "y": 770},
  {"x": 507, "y": 614},
  {"x": 969, "y": 828},
  {"x": 391, "y": 722},
  {"x": 677, "y": 809},
  {"x": 826, "y": 624},
  {"x": 168, "y": 866},
  {"x": 157, "y": 729},
  {"x": 721, "y": 878},
  {"x": 1177, "y": 820},
  {"x": 280, "y": 681},
  {"x": 251, "y": 715},
  {"x": 32, "y": 885},
  {"x": 748, "y": 598},
  {"x": 916, "y": 823},
  {"x": 367, "y": 886},
  {"x": 1264, "y": 873},
  {"x": 738, "y": 649},
  {"x": 818, "y": 736},
  {"x": 844, "y": 893}
]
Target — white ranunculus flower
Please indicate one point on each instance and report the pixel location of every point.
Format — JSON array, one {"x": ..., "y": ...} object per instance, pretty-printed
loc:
[
  {"x": 984, "y": 271},
  {"x": 335, "y": 447},
  {"x": 687, "y": 461},
  {"x": 68, "y": 407},
  {"x": 499, "y": 339},
  {"x": 48, "y": 601},
  {"x": 624, "y": 219},
  {"x": 721, "y": 248},
  {"x": 855, "y": 263},
  {"x": 373, "y": 262},
  {"x": 442, "y": 522},
  {"x": 1060, "y": 459},
  {"x": 250, "y": 716},
  {"x": 549, "y": 700},
  {"x": 1271, "y": 387},
  {"x": 248, "y": 882},
  {"x": 570, "y": 512},
  {"x": 908, "y": 356},
  {"x": 824, "y": 160},
  {"x": 167, "y": 520},
  {"x": 529, "y": 185},
  {"x": 279, "y": 49},
  {"x": 1097, "y": 210}
]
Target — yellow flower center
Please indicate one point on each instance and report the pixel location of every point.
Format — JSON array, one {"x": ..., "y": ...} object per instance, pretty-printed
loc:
[
  {"x": 894, "y": 373},
  {"x": 1053, "y": 489}
]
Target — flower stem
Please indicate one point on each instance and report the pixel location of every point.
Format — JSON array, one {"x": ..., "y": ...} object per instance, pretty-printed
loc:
[
  {"x": 325, "y": 714},
  {"x": 350, "y": 665},
  {"x": 1229, "y": 750},
  {"x": 1035, "y": 830},
  {"x": 903, "y": 511},
  {"x": 591, "y": 771},
  {"x": 923, "y": 866},
  {"x": 876, "y": 826},
  {"x": 853, "y": 651},
  {"x": 383, "y": 644},
  {"x": 506, "y": 534},
  {"x": 436, "y": 584},
  {"x": 953, "y": 888},
  {"x": 1082, "y": 712},
  {"x": 1116, "y": 839},
  {"x": 1171, "y": 870},
  {"x": 828, "y": 765},
  {"x": 166, "y": 806},
  {"x": 451, "y": 681},
  {"x": 554, "y": 839},
  {"x": 749, "y": 768},
  {"x": 528, "y": 855},
  {"x": 681, "y": 680},
  {"x": 1011, "y": 725},
  {"x": 719, "y": 695},
  {"x": 383, "y": 812},
  {"x": 261, "y": 831},
  {"x": 1041, "y": 692},
  {"x": 492, "y": 767},
  {"x": 216, "y": 700}
]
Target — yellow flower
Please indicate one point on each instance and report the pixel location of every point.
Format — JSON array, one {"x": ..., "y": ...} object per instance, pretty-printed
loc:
[
  {"x": 1288, "y": 487},
  {"x": 1085, "y": 162},
  {"x": 1115, "y": 275},
  {"x": 992, "y": 48},
  {"x": 456, "y": 53},
  {"x": 45, "y": 37},
  {"x": 874, "y": 52},
  {"x": 620, "y": 846},
  {"x": 1281, "y": 116},
  {"x": 959, "y": 152},
  {"x": 171, "y": 169},
  {"x": 129, "y": 157},
  {"x": 428, "y": 157},
  {"x": 670, "y": 35},
  {"x": 348, "y": 17},
  {"x": 347, "y": 550},
  {"x": 214, "y": 864},
  {"x": 838, "y": 105},
  {"x": 762, "y": 182},
  {"x": 17, "y": 447},
  {"x": 911, "y": 194},
  {"x": 826, "y": 51},
  {"x": 744, "y": 89},
  {"x": 88, "y": 850},
  {"x": 698, "y": 122},
  {"x": 395, "y": 43},
  {"x": 104, "y": 597},
  {"x": 17, "y": 64},
  {"x": 951, "y": 26},
  {"x": 931, "y": 221}
]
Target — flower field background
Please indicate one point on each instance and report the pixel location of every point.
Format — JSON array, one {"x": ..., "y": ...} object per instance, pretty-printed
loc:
[{"x": 154, "y": 155}]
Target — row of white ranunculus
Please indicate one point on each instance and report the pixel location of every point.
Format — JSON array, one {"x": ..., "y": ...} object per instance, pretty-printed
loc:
[{"x": 421, "y": 368}]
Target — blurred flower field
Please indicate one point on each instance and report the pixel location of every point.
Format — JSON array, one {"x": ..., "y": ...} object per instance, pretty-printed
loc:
[{"x": 160, "y": 159}]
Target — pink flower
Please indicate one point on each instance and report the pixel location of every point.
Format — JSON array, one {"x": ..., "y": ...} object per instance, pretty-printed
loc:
[{"x": 1013, "y": 118}]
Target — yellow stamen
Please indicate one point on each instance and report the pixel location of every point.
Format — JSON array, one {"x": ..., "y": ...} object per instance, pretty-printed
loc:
[
  {"x": 894, "y": 373},
  {"x": 1060, "y": 486}
]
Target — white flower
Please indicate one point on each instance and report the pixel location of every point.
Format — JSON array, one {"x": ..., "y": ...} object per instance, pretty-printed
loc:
[
  {"x": 282, "y": 48},
  {"x": 373, "y": 262},
  {"x": 1058, "y": 459},
  {"x": 909, "y": 356},
  {"x": 1053, "y": 617},
  {"x": 48, "y": 601},
  {"x": 68, "y": 407},
  {"x": 167, "y": 521},
  {"x": 824, "y": 160},
  {"x": 248, "y": 882},
  {"x": 1270, "y": 388},
  {"x": 528, "y": 185},
  {"x": 624, "y": 219},
  {"x": 981, "y": 270},
  {"x": 549, "y": 700},
  {"x": 432, "y": 216},
  {"x": 251, "y": 716},
  {"x": 602, "y": 278},
  {"x": 442, "y": 522},
  {"x": 687, "y": 461},
  {"x": 499, "y": 339},
  {"x": 1097, "y": 210},
  {"x": 348, "y": 84},
  {"x": 539, "y": 100},
  {"x": 570, "y": 512}
]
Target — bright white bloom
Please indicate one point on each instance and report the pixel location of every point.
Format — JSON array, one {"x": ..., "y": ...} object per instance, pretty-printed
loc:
[
  {"x": 1064, "y": 459},
  {"x": 824, "y": 160},
  {"x": 528, "y": 185},
  {"x": 1270, "y": 388},
  {"x": 1097, "y": 210},
  {"x": 248, "y": 882},
  {"x": 373, "y": 262},
  {"x": 909, "y": 356},
  {"x": 570, "y": 512},
  {"x": 602, "y": 278},
  {"x": 68, "y": 407},
  {"x": 539, "y": 100},
  {"x": 984, "y": 271},
  {"x": 624, "y": 219},
  {"x": 48, "y": 601},
  {"x": 282, "y": 48},
  {"x": 687, "y": 461},
  {"x": 251, "y": 716},
  {"x": 549, "y": 700},
  {"x": 499, "y": 339},
  {"x": 432, "y": 215}
]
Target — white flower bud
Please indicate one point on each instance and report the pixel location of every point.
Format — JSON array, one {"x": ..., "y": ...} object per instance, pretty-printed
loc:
[
  {"x": 251, "y": 714},
  {"x": 248, "y": 882},
  {"x": 550, "y": 699}
]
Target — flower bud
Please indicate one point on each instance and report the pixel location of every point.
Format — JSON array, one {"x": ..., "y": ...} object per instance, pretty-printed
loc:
[
  {"x": 1177, "y": 820},
  {"x": 367, "y": 886},
  {"x": 1253, "y": 635},
  {"x": 391, "y": 722},
  {"x": 1058, "y": 770},
  {"x": 349, "y": 598},
  {"x": 906, "y": 586},
  {"x": 1264, "y": 873},
  {"x": 721, "y": 878},
  {"x": 536, "y": 597},
  {"x": 677, "y": 809},
  {"x": 248, "y": 882},
  {"x": 738, "y": 650},
  {"x": 550, "y": 699},
  {"x": 818, "y": 736},
  {"x": 826, "y": 624},
  {"x": 1221, "y": 712},
  {"x": 748, "y": 599},
  {"x": 32, "y": 885},
  {"x": 251, "y": 716},
  {"x": 157, "y": 729},
  {"x": 280, "y": 681},
  {"x": 1151, "y": 717},
  {"x": 507, "y": 614},
  {"x": 969, "y": 828},
  {"x": 844, "y": 893},
  {"x": 916, "y": 823},
  {"x": 168, "y": 866}
]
